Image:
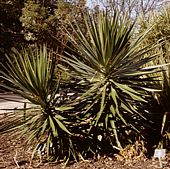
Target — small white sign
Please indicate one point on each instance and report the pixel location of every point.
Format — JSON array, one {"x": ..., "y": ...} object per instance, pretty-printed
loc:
[{"x": 160, "y": 153}]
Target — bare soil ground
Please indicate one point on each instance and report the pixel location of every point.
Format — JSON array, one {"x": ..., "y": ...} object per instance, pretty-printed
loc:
[{"x": 13, "y": 155}]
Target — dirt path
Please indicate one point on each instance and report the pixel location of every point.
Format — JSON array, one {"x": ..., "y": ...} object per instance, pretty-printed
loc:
[{"x": 9, "y": 101}]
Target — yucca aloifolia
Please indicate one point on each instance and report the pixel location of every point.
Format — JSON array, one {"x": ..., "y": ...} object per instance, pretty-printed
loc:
[
  {"x": 160, "y": 23},
  {"x": 163, "y": 98},
  {"x": 110, "y": 64},
  {"x": 32, "y": 74}
]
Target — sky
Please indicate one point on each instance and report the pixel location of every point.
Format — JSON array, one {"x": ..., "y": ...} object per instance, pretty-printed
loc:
[{"x": 91, "y": 3}]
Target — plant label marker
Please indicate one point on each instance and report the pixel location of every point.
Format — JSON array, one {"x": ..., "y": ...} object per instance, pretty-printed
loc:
[{"x": 160, "y": 153}]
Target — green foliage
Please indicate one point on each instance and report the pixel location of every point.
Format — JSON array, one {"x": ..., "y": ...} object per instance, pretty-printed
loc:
[
  {"x": 10, "y": 26},
  {"x": 106, "y": 76},
  {"x": 45, "y": 21},
  {"x": 163, "y": 99},
  {"x": 33, "y": 76},
  {"x": 109, "y": 64},
  {"x": 33, "y": 17},
  {"x": 160, "y": 23}
]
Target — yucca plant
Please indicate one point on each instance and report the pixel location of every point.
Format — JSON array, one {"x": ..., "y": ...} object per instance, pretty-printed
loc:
[
  {"x": 32, "y": 74},
  {"x": 160, "y": 23},
  {"x": 163, "y": 99},
  {"x": 110, "y": 65}
]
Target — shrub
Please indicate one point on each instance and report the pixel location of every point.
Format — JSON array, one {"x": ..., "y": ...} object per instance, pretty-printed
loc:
[
  {"x": 160, "y": 24},
  {"x": 110, "y": 66},
  {"x": 32, "y": 75}
]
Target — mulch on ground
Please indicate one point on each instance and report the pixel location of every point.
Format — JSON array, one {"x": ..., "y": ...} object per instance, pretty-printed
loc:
[{"x": 14, "y": 154}]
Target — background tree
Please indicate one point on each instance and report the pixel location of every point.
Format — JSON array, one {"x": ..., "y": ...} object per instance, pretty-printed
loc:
[
  {"x": 46, "y": 21},
  {"x": 134, "y": 7},
  {"x": 10, "y": 26}
]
